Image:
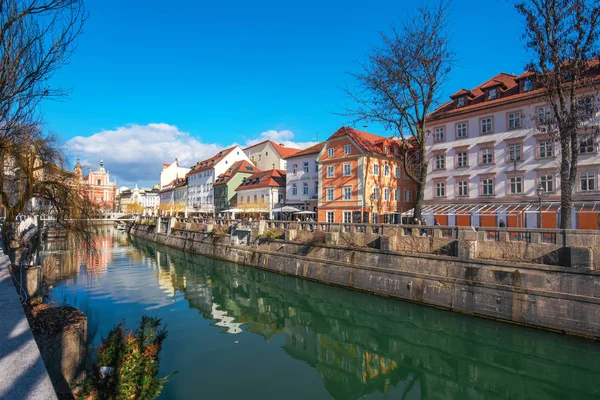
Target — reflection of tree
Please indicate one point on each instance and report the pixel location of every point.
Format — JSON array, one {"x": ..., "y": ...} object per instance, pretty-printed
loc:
[{"x": 362, "y": 344}]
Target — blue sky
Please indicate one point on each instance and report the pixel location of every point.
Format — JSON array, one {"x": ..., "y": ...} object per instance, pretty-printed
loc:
[{"x": 216, "y": 73}]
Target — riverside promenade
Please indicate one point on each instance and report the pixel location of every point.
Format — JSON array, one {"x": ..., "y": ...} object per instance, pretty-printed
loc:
[{"x": 23, "y": 374}]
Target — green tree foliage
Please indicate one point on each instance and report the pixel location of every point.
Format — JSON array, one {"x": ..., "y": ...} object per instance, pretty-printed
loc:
[{"x": 132, "y": 358}]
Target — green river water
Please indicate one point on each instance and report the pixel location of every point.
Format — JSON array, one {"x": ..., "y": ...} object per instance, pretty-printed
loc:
[{"x": 240, "y": 333}]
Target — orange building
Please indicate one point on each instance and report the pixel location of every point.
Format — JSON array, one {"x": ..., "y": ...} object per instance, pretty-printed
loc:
[{"x": 362, "y": 179}]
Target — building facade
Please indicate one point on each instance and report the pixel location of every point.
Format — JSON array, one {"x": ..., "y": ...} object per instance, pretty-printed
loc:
[
  {"x": 302, "y": 179},
  {"x": 269, "y": 155},
  {"x": 262, "y": 192},
  {"x": 201, "y": 179},
  {"x": 170, "y": 172},
  {"x": 362, "y": 179},
  {"x": 228, "y": 181},
  {"x": 492, "y": 158},
  {"x": 98, "y": 187}
]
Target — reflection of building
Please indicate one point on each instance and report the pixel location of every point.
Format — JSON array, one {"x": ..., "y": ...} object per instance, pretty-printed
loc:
[
  {"x": 98, "y": 187},
  {"x": 96, "y": 262},
  {"x": 224, "y": 320}
]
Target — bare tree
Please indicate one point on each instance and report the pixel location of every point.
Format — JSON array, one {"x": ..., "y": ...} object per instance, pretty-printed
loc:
[
  {"x": 37, "y": 38},
  {"x": 31, "y": 169},
  {"x": 401, "y": 84},
  {"x": 563, "y": 36}
]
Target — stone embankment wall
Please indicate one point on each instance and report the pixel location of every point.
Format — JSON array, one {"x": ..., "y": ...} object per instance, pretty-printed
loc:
[{"x": 545, "y": 296}]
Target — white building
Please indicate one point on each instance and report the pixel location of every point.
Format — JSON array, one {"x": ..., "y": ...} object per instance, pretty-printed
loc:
[
  {"x": 201, "y": 178},
  {"x": 488, "y": 154},
  {"x": 262, "y": 192},
  {"x": 170, "y": 172},
  {"x": 269, "y": 155},
  {"x": 302, "y": 179}
]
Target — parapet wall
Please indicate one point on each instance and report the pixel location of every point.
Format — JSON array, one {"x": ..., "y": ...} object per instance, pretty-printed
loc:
[{"x": 550, "y": 297}]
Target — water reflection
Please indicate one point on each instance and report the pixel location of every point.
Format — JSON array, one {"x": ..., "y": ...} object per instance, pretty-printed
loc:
[{"x": 358, "y": 345}]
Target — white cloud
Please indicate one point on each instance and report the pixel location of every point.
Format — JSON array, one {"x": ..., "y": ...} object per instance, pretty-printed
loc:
[
  {"x": 135, "y": 153},
  {"x": 284, "y": 137}
]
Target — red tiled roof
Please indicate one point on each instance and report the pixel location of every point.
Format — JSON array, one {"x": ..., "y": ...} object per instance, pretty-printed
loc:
[
  {"x": 461, "y": 92},
  {"x": 242, "y": 166},
  {"x": 166, "y": 165},
  {"x": 310, "y": 150},
  {"x": 509, "y": 92},
  {"x": 270, "y": 178},
  {"x": 281, "y": 149},
  {"x": 369, "y": 142},
  {"x": 210, "y": 162},
  {"x": 175, "y": 183}
]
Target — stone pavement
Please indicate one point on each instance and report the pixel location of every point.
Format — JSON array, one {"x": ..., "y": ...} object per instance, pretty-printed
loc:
[{"x": 22, "y": 371}]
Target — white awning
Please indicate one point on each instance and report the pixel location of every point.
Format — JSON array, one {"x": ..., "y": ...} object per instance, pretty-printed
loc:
[{"x": 506, "y": 208}]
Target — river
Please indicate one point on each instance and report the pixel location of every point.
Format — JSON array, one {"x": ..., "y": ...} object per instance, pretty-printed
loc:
[{"x": 240, "y": 333}]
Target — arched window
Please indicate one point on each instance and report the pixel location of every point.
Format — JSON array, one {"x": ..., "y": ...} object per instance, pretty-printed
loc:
[{"x": 99, "y": 182}]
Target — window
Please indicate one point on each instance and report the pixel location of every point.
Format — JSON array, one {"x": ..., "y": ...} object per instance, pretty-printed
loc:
[
  {"x": 347, "y": 217},
  {"x": 330, "y": 152},
  {"x": 486, "y": 125},
  {"x": 376, "y": 193},
  {"x": 386, "y": 149},
  {"x": 330, "y": 216},
  {"x": 407, "y": 195},
  {"x": 376, "y": 169},
  {"x": 547, "y": 182},
  {"x": 294, "y": 169},
  {"x": 439, "y": 134},
  {"x": 461, "y": 101},
  {"x": 330, "y": 171},
  {"x": 546, "y": 148},
  {"x": 386, "y": 170},
  {"x": 255, "y": 198},
  {"x": 516, "y": 185},
  {"x": 463, "y": 188},
  {"x": 440, "y": 161},
  {"x": 586, "y": 145},
  {"x": 487, "y": 187},
  {"x": 461, "y": 130},
  {"x": 99, "y": 182},
  {"x": 347, "y": 169},
  {"x": 487, "y": 155},
  {"x": 306, "y": 167},
  {"x": 462, "y": 159},
  {"x": 585, "y": 106},
  {"x": 294, "y": 189},
  {"x": 544, "y": 115},
  {"x": 440, "y": 189},
  {"x": 396, "y": 151},
  {"x": 588, "y": 181},
  {"x": 280, "y": 199},
  {"x": 515, "y": 152},
  {"x": 317, "y": 187},
  {"x": 397, "y": 171},
  {"x": 514, "y": 120},
  {"x": 493, "y": 94},
  {"x": 386, "y": 194},
  {"x": 347, "y": 193},
  {"x": 347, "y": 149},
  {"x": 527, "y": 85},
  {"x": 329, "y": 193},
  {"x": 305, "y": 188},
  {"x": 396, "y": 194}
]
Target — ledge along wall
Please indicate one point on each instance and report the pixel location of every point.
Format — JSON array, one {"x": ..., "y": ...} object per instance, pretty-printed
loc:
[{"x": 565, "y": 299}]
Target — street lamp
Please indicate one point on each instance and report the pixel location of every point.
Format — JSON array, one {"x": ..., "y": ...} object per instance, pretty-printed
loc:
[{"x": 540, "y": 192}]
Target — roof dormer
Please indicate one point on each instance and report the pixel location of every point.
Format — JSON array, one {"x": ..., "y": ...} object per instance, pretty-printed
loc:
[
  {"x": 526, "y": 81},
  {"x": 492, "y": 89},
  {"x": 461, "y": 97}
]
